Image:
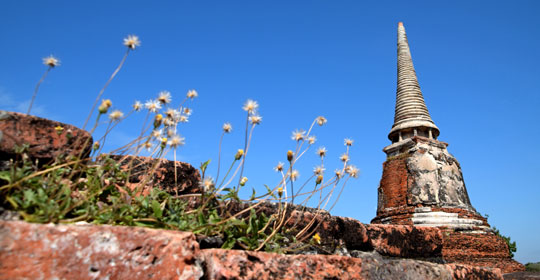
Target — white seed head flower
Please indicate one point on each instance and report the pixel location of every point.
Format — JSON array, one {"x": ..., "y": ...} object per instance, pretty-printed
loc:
[
  {"x": 187, "y": 111},
  {"x": 152, "y": 105},
  {"x": 338, "y": 173},
  {"x": 352, "y": 171},
  {"x": 171, "y": 113},
  {"x": 344, "y": 157},
  {"x": 250, "y": 106},
  {"x": 348, "y": 142},
  {"x": 148, "y": 146},
  {"x": 311, "y": 139},
  {"x": 227, "y": 127},
  {"x": 321, "y": 151},
  {"x": 132, "y": 41},
  {"x": 156, "y": 133},
  {"x": 170, "y": 132},
  {"x": 255, "y": 119},
  {"x": 321, "y": 120},
  {"x": 298, "y": 135},
  {"x": 192, "y": 94},
  {"x": 164, "y": 97},
  {"x": 116, "y": 115},
  {"x": 319, "y": 170},
  {"x": 137, "y": 106},
  {"x": 51, "y": 61},
  {"x": 183, "y": 118},
  {"x": 168, "y": 122},
  {"x": 207, "y": 184},
  {"x": 294, "y": 175},
  {"x": 279, "y": 167},
  {"x": 176, "y": 141}
]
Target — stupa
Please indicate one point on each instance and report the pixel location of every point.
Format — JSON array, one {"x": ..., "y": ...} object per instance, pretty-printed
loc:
[{"x": 422, "y": 183}]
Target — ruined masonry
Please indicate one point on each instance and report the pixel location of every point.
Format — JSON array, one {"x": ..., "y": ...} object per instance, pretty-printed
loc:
[{"x": 422, "y": 184}]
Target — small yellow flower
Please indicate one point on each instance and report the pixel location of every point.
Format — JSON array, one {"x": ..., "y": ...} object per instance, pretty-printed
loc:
[
  {"x": 239, "y": 154},
  {"x": 280, "y": 191},
  {"x": 132, "y": 41},
  {"x": 317, "y": 238},
  {"x": 51, "y": 61},
  {"x": 164, "y": 142},
  {"x": 59, "y": 129}
]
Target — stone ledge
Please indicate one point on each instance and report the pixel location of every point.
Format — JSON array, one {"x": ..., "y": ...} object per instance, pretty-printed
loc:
[{"x": 119, "y": 252}]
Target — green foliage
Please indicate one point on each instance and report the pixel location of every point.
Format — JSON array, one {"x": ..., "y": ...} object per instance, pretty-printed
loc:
[
  {"x": 533, "y": 266},
  {"x": 511, "y": 244},
  {"x": 97, "y": 195}
]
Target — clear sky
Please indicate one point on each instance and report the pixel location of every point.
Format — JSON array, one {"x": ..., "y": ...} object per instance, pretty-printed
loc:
[{"x": 477, "y": 64}]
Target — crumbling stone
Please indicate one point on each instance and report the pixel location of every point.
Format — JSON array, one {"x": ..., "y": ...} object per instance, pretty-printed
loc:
[{"x": 47, "y": 139}]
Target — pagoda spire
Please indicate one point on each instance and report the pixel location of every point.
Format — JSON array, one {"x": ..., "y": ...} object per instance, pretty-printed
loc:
[{"x": 411, "y": 115}]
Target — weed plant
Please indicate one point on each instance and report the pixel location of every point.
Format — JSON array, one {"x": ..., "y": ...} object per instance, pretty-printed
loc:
[{"x": 99, "y": 189}]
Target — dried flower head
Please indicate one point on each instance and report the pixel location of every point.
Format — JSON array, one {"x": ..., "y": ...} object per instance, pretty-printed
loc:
[
  {"x": 132, "y": 41},
  {"x": 344, "y": 157},
  {"x": 156, "y": 133},
  {"x": 348, "y": 142},
  {"x": 255, "y": 119},
  {"x": 207, "y": 184},
  {"x": 51, "y": 61},
  {"x": 321, "y": 120},
  {"x": 192, "y": 94},
  {"x": 176, "y": 141},
  {"x": 294, "y": 175},
  {"x": 318, "y": 170},
  {"x": 298, "y": 135},
  {"x": 148, "y": 146},
  {"x": 352, "y": 171},
  {"x": 338, "y": 173},
  {"x": 279, "y": 167},
  {"x": 164, "y": 97},
  {"x": 116, "y": 115},
  {"x": 187, "y": 111},
  {"x": 137, "y": 106},
  {"x": 311, "y": 139},
  {"x": 321, "y": 151},
  {"x": 227, "y": 127},
  {"x": 152, "y": 105},
  {"x": 250, "y": 106},
  {"x": 183, "y": 118}
]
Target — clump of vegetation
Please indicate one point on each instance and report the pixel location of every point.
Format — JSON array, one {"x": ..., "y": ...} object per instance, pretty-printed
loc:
[
  {"x": 533, "y": 266},
  {"x": 512, "y": 248},
  {"x": 98, "y": 189}
]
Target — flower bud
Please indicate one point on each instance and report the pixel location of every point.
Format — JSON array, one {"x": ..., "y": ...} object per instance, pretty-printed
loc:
[
  {"x": 319, "y": 179},
  {"x": 243, "y": 181},
  {"x": 239, "y": 154},
  {"x": 290, "y": 155},
  {"x": 158, "y": 120},
  {"x": 105, "y": 105}
]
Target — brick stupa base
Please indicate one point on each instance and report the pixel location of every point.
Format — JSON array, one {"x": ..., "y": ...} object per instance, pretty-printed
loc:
[{"x": 422, "y": 185}]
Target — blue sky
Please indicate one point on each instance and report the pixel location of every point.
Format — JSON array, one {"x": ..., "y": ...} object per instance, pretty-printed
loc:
[{"x": 477, "y": 64}]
